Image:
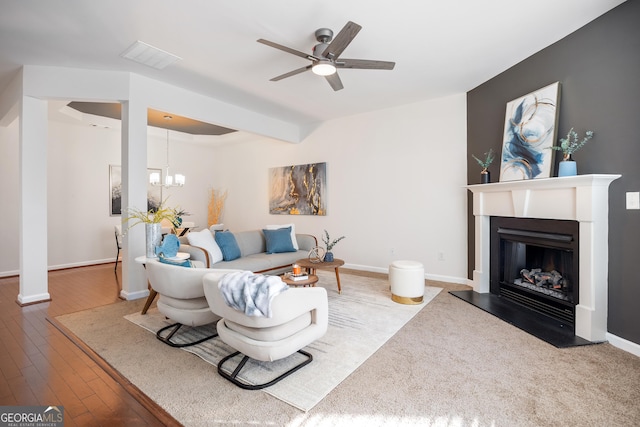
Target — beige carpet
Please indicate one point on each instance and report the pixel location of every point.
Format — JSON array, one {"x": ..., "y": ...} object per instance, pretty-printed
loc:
[
  {"x": 452, "y": 364},
  {"x": 361, "y": 320}
]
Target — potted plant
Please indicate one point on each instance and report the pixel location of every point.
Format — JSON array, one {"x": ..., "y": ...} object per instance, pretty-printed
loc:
[
  {"x": 485, "y": 175},
  {"x": 152, "y": 220},
  {"x": 568, "y": 146},
  {"x": 329, "y": 244}
]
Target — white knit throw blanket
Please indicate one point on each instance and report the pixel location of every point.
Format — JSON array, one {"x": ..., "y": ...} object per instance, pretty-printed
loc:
[{"x": 250, "y": 293}]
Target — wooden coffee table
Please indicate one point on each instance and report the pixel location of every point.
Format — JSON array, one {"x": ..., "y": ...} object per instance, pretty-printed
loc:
[
  {"x": 310, "y": 281},
  {"x": 312, "y": 266}
]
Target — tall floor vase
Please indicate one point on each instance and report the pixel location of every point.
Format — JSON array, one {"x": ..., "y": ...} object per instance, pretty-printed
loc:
[{"x": 154, "y": 237}]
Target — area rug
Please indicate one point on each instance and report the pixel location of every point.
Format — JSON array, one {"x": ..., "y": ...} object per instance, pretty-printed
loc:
[{"x": 361, "y": 320}]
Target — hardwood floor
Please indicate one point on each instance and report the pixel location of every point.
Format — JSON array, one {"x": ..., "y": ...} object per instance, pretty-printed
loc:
[{"x": 39, "y": 365}]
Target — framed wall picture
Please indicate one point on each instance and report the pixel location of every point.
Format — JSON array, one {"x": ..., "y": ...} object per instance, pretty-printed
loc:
[
  {"x": 530, "y": 129},
  {"x": 298, "y": 189},
  {"x": 154, "y": 193}
]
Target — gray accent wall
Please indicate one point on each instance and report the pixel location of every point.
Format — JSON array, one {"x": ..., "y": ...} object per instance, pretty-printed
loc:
[{"x": 598, "y": 67}]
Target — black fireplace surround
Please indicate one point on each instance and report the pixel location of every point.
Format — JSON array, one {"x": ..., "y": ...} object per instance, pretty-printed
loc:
[{"x": 534, "y": 263}]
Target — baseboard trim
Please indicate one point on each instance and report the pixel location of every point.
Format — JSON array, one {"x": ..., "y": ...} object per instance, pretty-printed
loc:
[
  {"x": 14, "y": 273},
  {"x": 367, "y": 268},
  {"x": 447, "y": 279},
  {"x": 434, "y": 277},
  {"x": 81, "y": 264},
  {"x": 623, "y": 344}
]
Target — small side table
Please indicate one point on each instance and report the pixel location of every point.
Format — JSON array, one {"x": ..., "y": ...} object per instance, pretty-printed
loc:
[
  {"x": 312, "y": 266},
  {"x": 310, "y": 281},
  {"x": 180, "y": 256}
]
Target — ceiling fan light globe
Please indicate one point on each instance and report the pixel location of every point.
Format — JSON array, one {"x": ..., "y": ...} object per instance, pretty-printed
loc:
[{"x": 324, "y": 68}]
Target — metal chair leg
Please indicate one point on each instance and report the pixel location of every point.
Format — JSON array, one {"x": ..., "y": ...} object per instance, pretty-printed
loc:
[
  {"x": 176, "y": 326},
  {"x": 233, "y": 377},
  {"x": 117, "y": 256}
]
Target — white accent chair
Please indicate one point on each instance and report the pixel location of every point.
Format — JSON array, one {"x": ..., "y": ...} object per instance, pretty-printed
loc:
[
  {"x": 299, "y": 317},
  {"x": 181, "y": 299}
]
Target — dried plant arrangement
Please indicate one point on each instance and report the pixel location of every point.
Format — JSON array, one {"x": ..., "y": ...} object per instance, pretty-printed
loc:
[{"x": 216, "y": 206}]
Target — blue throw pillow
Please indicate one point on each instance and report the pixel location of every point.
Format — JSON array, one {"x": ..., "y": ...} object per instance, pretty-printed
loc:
[
  {"x": 279, "y": 240},
  {"x": 228, "y": 245},
  {"x": 185, "y": 263}
]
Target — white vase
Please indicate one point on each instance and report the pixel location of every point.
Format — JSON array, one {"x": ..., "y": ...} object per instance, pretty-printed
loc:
[{"x": 153, "y": 238}]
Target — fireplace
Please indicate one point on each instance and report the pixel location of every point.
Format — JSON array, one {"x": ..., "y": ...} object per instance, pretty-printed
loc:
[
  {"x": 582, "y": 200},
  {"x": 534, "y": 263}
]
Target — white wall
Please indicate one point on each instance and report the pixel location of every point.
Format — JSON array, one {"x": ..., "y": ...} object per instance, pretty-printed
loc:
[
  {"x": 9, "y": 198},
  {"x": 80, "y": 229},
  {"x": 395, "y": 186},
  {"x": 395, "y": 182}
]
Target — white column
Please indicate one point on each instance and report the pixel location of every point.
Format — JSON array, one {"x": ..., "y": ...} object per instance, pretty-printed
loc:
[
  {"x": 482, "y": 245},
  {"x": 134, "y": 195},
  {"x": 481, "y": 272},
  {"x": 592, "y": 211},
  {"x": 34, "y": 285}
]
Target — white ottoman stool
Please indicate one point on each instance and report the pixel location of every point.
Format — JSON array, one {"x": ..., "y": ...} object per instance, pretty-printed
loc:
[{"x": 407, "y": 282}]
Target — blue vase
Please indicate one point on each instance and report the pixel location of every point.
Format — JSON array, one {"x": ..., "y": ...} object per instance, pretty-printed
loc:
[
  {"x": 169, "y": 246},
  {"x": 328, "y": 257},
  {"x": 567, "y": 168}
]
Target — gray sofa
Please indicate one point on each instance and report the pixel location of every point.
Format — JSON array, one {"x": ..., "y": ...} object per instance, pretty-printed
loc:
[{"x": 255, "y": 258}]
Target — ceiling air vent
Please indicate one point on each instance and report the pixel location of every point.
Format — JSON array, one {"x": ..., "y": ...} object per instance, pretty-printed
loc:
[{"x": 148, "y": 55}]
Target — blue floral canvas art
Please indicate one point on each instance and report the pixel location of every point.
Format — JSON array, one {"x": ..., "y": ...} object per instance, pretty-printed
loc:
[{"x": 529, "y": 133}]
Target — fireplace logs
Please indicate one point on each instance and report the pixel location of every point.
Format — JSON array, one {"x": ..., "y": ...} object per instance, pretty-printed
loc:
[
  {"x": 547, "y": 279},
  {"x": 547, "y": 282}
]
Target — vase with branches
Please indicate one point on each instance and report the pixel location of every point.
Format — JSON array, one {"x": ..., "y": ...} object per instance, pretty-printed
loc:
[
  {"x": 152, "y": 219},
  {"x": 569, "y": 145},
  {"x": 485, "y": 175},
  {"x": 217, "y": 199},
  {"x": 329, "y": 244}
]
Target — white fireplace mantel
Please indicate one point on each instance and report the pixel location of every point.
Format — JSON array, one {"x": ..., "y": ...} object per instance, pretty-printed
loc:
[{"x": 582, "y": 198}]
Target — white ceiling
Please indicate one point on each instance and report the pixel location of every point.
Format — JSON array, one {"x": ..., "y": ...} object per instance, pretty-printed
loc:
[{"x": 440, "y": 48}]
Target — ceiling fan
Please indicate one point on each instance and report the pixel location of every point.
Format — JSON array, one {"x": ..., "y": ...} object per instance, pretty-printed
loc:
[{"x": 325, "y": 59}]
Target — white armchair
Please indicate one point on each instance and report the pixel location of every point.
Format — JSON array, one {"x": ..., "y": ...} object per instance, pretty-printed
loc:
[
  {"x": 299, "y": 317},
  {"x": 181, "y": 299}
]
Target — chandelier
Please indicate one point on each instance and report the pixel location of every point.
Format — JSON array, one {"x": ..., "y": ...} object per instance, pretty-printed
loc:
[{"x": 155, "y": 178}]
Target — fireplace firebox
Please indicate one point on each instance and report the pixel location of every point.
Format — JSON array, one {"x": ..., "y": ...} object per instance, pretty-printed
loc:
[{"x": 534, "y": 263}]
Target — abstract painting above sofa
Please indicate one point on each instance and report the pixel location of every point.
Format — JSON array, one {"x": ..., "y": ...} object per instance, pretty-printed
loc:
[{"x": 298, "y": 190}]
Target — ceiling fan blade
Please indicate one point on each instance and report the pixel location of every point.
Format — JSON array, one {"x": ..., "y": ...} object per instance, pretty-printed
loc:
[
  {"x": 291, "y": 73},
  {"x": 341, "y": 41},
  {"x": 334, "y": 81},
  {"x": 366, "y": 64},
  {"x": 287, "y": 49}
]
